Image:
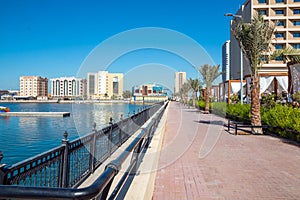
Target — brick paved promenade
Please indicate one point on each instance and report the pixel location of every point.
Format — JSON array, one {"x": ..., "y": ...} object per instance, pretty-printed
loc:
[{"x": 200, "y": 160}]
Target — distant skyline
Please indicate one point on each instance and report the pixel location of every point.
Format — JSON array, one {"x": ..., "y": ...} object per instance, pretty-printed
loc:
[{"x": 53, "y": 38}]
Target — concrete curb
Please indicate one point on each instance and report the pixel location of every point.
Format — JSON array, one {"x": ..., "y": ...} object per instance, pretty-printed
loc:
[{"x": 142, "y": 186}]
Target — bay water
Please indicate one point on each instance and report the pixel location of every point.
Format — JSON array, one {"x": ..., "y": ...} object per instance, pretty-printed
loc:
[{"x": 24, "y": 137}]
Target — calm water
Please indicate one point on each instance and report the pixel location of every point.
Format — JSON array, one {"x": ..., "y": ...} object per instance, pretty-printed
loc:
[{"x": 24, "y": 137}]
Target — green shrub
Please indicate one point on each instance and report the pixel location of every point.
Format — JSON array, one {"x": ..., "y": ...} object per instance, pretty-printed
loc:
[
  {"x": 285, "y": 118},
  {"x": 201, "y": 104},
  {"x": 268, "y": 101},
  {"x": 219, "y": 108},
  {"x": 238, "y": 112}
]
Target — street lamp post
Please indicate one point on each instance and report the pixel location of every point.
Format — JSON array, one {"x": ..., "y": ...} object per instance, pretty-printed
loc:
[{"x": 241, "y": 54}]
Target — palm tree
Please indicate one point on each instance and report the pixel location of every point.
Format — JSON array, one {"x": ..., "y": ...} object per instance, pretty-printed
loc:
[
  {"x": 195, "y": 86},
  {"x": 184, "y": 90},
  {"x": 209, "y": 74},
  {"x": 255, "y": 39}
]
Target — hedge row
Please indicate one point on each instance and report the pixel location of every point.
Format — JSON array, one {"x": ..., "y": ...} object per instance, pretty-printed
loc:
[{"x": 285, "y": 118}]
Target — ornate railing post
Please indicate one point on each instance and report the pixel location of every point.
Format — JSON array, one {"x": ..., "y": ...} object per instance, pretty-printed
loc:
[
  {"x": 110, "y": 135},
  {"x": 65, "y": 161},
  {"x": 120, "y": 130},
  {"x": 93, "y": 149},
  {"x": 1, "y": 169}
]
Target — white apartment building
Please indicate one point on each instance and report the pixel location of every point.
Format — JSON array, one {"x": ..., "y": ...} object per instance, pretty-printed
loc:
[
  {"x": 68, "y": 87},
  {"x": 33, "y": 86},
  {"x": 104, "y": 85},
  {"x": 180, "y": 79},
  {"x": 286, "y": 15}
]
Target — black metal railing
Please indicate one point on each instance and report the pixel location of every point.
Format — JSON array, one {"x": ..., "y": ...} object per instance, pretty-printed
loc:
[
  {"x": 71, "y": 163},
  {"x": 101, "y": 186}
]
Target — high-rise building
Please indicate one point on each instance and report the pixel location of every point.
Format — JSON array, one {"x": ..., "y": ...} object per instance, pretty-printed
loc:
[
  {"x": 180, "y": 79},
  {"x": 104, "y": 85},
  {"x": 34, "y": 86},
  {"x": 226, "y": 61},
  {"x": 115, "y": 85},
  {"x": 68, "y": 87},
  {"x": 92, "y": 82},
  {"x": 286, "y": 15}
]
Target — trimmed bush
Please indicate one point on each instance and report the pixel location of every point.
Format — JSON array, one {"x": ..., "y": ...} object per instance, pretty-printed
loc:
[
  {"x": 238, "y": 112},
  {"x": 285, "y": 119},
  {"x": 201, "y": 104}
]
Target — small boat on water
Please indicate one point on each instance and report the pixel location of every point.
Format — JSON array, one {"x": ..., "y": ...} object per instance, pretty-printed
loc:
[{"x": 4, "y": 109}]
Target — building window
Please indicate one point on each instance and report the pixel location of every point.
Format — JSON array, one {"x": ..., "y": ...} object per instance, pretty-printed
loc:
[
  {"x": 279, "y": 35},
  {"x": 296, "y": 0},
  {"x": 279, "y": 1},
  {"x": 261, "y": 1},
  {"x": 296, "y": 46},
  {"x": 297, "y": 11},
  {"x": 262, "y": 12},
  {"x": 296, "y": 23},
  {"x": 279, "y": 12},
  {"x": 280, "y": 23},
  {"x": 278, "y": 46},
  {"x": 296, "y": 35}
]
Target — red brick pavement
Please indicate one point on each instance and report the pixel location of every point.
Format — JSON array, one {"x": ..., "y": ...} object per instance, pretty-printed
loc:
[{"x": 199, "y": 160}]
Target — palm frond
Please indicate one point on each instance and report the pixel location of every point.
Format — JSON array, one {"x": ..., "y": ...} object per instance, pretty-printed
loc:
[
  {"x": 288, "y": 54},
  {"x": 209, "y": 73},
  {"x": 255, "y": 39}
]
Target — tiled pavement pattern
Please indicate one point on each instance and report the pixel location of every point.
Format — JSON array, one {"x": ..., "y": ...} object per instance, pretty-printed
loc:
[{"x": 200, "y": 160}]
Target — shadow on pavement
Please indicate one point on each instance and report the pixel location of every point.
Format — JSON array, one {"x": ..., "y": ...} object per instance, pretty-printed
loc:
[{"x": 218, "y": 122}]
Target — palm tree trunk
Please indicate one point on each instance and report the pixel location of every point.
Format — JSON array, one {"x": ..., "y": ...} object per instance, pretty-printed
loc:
[
  {"x": 255, "y": 105},
  {"x": 194, "y": 102},
  {"x": 207, "y": 101}
]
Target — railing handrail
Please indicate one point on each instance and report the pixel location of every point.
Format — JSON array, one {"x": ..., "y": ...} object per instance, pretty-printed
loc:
[
  {"x": 11, "y": 191},
  {"x": 100, "y": 185},
  {"x": 36, "y": 157}
]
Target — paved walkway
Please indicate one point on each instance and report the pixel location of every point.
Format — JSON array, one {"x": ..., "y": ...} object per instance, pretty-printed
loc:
[{"x": 200, "y": 160}]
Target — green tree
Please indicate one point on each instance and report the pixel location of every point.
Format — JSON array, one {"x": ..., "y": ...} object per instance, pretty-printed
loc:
[
  {"x": 184, "y": 91},
  {"x": 195, "y": 86},
  {"x": 209, "y": 74},
  {"x": 114, "y": 97},
  {"x": 255, "y": 39},
  {"x": 127, "y": 94}
]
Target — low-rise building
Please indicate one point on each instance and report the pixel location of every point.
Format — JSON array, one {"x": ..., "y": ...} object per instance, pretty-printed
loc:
[
  {"x": 33, "y": 86},
  {"x": 149, "y": 92},
  {"x": 105, "y": 85},
  {"x": 68, "y": 87}
]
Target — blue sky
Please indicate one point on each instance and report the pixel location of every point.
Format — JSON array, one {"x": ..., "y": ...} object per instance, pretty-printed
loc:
[{"x": 53, "y": 38}]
